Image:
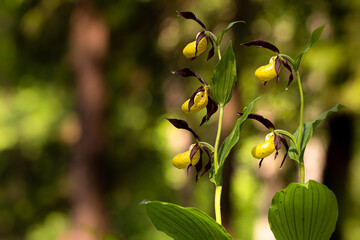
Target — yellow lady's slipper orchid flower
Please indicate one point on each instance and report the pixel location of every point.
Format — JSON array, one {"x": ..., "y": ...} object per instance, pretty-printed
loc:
[
  {"x": 182, "y": 160},
  {"x": 200, "y": 102},
  {"x": 190, "y": 49},
  {"x": 266, "y": 148},
  {"x": 267, "y": 72},
  {"x": 270, "y": 71}
]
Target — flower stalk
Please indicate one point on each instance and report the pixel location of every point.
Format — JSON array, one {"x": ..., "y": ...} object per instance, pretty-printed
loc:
[
  {"x": 302, "y": 165},
  {"x": 289, "y": 135},
  {"x": 218, "y": 189},
  {"x": 302, "y": 172}
]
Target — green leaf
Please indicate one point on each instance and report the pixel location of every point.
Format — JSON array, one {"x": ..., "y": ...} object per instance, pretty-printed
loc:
[
  {"x": 229, "y": 143},
  {"x": 184, "y": 223},
  {"x": 303, "y": 211},
  {"x": 313, "y": 39},
  {"x": 336, "y": 108},
  {"x": 221, "y": 34},
  {"x": 307, "y": 132},
  {"x": 224, "y": 77}
]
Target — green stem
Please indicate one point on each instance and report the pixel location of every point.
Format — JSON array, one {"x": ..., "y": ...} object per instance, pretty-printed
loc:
[
  {"x": 301, "y": 105},
  {"x": 217, "y": 140},
  {"x": 302, "y": 165},
  {"x": 216, "y": 166},
  {"x": 218, "y": 204},
  {"x": 218, "y": 189},
  {"x": 219, "y": 53},
  {"x": 302, "y": 172}
]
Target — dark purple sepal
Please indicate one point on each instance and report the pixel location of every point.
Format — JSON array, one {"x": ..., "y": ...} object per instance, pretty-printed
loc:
[
  {"x": 291, "y": 76},
  {"x": 198, "y": 39},
  {"x": 261, "y": 162},
  {"x": 186, "y": 72},
  {"x": 181, "y": 124},
  {"x": 203, "y": 120},
  {"x": 284, "y": 142},
  {"x": 277, "y": 64},
  {"x": 192, "y": 97},
  {"x": 263, "y": 44},
  {"x": 212, "y": 50},
  {"x": 211, "y": 108},
  {"x": 208, "y": 164},
  {"x": 189, "y": 169},
  {"x": 277, "y": 68},
  {"x": 198, "y": 166},
  {"x": 264, "y": 121},
  {"x": 210, "y": 161},
  {"x": 207, "y": 151},
  {"x": 283, "y": 161},
  {"x": 194, "y": 151},
  {"x": 190, "y": 15},
  {"x": 206, "y": 168},
  {"x": 191, "y": 101},
  {"x": 277, "y": 143},
  {"x": 276, "y": 154}
]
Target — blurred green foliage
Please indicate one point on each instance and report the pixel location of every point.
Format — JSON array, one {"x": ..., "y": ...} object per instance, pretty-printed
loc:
[{"x": 39, "y": 125}]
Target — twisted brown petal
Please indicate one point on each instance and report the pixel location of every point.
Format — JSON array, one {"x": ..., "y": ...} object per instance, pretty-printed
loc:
[
  {"x": 190, "y": 15},
  {"x": 266, "y": 122},
  {"x": 181, "y": 124},
  {"x": 263, "y": 44},
  {"x": 186, "y": 72}
]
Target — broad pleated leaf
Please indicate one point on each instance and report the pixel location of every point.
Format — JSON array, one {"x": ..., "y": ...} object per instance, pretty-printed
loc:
[
  {"x": 229, "y": 143},
  {"x": 224, "y": 77},
  {"x": 303, "y": 212},
  {"x": 308, "y": 130},
  {"x": 184, "y": 223}
]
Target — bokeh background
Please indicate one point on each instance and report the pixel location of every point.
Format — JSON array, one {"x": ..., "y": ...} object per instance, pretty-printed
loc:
[{"x": 85, "y": 87}]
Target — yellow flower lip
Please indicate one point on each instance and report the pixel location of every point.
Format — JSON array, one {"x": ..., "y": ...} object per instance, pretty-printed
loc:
[
  {"x": 264, "y": 149},
  {"x": 182, "y": 160},
  {"x": 190, "y": 49},
  {"x": 267, "y": 72},
  {"x": 200, "y": 102}
]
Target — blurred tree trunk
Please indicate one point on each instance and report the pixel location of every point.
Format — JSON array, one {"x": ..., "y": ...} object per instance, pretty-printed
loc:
[
  {"x": 338, "y": 159},
  {"x": 230, "y": 117},
  {"x": 88, "y": 47}
]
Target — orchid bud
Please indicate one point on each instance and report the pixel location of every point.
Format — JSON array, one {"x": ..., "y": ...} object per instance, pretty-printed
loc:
[
  {"x": 266, "y": 148},
  {"x": 200, "y": 102},
  {"x": 267, "y": 72},
  {"x": 190, "y": 49},
  {"x": 182, "y": 160}
]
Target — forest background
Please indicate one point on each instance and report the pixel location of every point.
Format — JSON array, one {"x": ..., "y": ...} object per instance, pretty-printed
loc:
[{"x": 85, "y": 87}]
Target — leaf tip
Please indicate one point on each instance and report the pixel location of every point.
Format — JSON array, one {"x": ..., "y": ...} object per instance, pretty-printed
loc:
[{"x": 144, "y": 202}]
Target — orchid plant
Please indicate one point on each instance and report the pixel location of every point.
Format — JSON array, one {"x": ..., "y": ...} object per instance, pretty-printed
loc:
[{"x": 305, "y": 210}]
